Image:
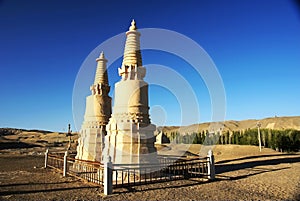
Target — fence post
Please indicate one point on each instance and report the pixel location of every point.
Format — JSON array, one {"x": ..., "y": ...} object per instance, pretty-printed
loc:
[
  {"x": 65, "y": 164},
  {"x": 211, "y": 165},
  {"x": 108, "y": 175},
  {"x": 46, "y": 157}
]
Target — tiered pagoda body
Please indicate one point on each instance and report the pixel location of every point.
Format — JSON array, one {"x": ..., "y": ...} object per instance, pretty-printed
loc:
[{"x": 97, "y": 114}]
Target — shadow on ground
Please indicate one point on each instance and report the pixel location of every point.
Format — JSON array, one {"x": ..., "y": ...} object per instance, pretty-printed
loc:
[
  {"x": 253, "y": 157},
  {"x": 222, "y": 168},
  {"x": 16, "y": 145}
]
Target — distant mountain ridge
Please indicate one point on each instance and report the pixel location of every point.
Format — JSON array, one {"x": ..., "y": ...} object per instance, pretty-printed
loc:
[{"x": 278, "y": 123}]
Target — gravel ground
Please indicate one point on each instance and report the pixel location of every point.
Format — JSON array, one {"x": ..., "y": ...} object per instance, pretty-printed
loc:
[{"x": 255, "y": 177}]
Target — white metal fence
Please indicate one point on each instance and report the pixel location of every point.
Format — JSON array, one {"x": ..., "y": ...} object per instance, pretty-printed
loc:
[{"x": 119, "y": 175}]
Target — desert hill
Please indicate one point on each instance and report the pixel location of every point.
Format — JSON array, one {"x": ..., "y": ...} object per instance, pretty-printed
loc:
[
  {"x": 12, "y": 138},
  {"x": 278, "y": 123}
]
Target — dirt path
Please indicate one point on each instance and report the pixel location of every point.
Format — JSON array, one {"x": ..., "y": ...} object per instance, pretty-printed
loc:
[{"x": 255, "y": 177}]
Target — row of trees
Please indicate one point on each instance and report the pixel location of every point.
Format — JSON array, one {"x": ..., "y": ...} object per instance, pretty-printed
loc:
[{"x": 280, "y": 140}]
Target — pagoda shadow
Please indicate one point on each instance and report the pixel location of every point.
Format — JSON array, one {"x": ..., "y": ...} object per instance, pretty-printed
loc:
[{"x": 254, "y": 166}]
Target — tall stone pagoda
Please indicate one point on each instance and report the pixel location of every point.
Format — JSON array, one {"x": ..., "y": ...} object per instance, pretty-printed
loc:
[
  {"x": 97, "y": 114},
  {"x": 130, "y": 134}
]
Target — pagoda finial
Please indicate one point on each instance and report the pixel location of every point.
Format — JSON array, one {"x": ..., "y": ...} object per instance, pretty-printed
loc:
[
  {"x": 101, "y": 55},
  {"x": 133, "y": 25}
]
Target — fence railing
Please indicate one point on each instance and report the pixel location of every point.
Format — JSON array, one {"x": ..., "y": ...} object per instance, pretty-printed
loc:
[
  {"x": 119, "y": 175},
  {"x": 89, "y": 170},
  {"x": 133, "y": 174}
]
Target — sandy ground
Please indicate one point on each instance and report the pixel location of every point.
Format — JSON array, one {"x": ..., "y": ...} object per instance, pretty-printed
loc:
[{"x": 243, "y": 173}]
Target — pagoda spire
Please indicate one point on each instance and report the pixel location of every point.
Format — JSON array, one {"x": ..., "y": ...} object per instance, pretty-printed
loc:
[
  {"x": 101, "y": 85},
  {"x": 101, "y": 73},
  {"x": 132, "y": 58}
]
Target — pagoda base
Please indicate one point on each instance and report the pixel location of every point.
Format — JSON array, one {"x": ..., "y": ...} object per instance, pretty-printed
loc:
[
  {"x": 90, "y": 144},
  {"x": 130, "y": 143}
]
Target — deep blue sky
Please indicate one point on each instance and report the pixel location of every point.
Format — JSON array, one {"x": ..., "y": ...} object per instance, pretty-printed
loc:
[{"x": 254, "y": 44}]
